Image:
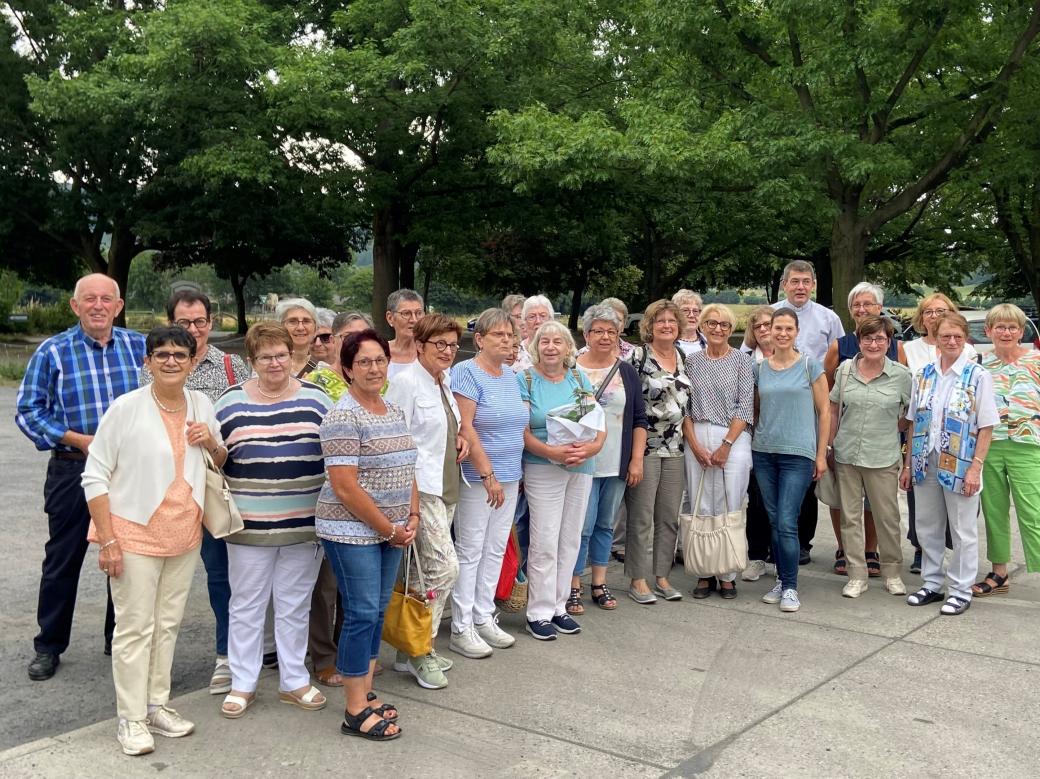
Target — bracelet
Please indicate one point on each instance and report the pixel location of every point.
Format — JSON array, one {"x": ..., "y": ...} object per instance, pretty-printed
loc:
[
  {"x": 979, "y": 461},
  {"x": 727, "y": 442},
  {"x": 108, "y": 544},
  {"x": 488, "y": 476},
  {"x": 413, "y": 513},
  {"x": 393, "y": 532}
]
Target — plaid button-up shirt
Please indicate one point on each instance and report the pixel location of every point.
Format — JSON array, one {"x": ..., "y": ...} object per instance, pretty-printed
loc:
[{"x": 71, "y": 381}]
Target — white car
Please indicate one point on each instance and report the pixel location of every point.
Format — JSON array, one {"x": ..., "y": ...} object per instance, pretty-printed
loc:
[{"x": 983, "y": 345}]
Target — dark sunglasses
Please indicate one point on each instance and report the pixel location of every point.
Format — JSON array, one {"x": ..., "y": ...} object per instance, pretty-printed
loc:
[{"x": 324, "y": 337}]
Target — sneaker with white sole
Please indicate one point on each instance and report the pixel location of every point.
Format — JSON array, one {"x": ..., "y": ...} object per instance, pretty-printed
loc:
[
  {"x": 854, "y": 588},
  {"x": 401, "y": 662},
  {"x": 542, "y": 629},
  {"x": 789, "y": 600},
  {"x": 564, "y": 623},
  {"x": 134, "y": 737},
  {"x": 220, "y": 682},
  {"x": 426, "y": 672},
  {"x": 493, "y": 635},
  {"x": 895, "y": 586},
  {"x": 444, "y": 663},
  {"x": 164, "y": 721},
  {"x": 773, "y": 596},
  {"x": 756, "y": 570},
  {"x": 469, "y": 644}
]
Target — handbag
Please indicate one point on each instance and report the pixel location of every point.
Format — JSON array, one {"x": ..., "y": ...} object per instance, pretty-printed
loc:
[
  {"x": 827, "y": 487},
  {"x": 511, "y": 592},
  {"x": 220, "y": 515},
  {"x": 408, "y": 620},
  {"x": 713, "y": 544}
]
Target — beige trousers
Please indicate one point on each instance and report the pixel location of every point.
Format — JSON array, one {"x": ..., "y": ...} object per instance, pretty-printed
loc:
[
  {"x": 881, "y": 488},
  {"x": 440, "y": 564},
  {"x": 149, "y": 599}
]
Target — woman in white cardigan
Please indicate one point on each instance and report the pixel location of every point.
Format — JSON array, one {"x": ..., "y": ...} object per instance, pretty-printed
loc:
[{"x": 145, "y": 482}]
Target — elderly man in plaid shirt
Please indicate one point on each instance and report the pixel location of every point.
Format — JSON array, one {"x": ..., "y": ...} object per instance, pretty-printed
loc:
[{"x": 70, "y": 382}]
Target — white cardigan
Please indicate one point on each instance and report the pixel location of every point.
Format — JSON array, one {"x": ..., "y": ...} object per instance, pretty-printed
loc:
[{"x": 131, "y": 460}]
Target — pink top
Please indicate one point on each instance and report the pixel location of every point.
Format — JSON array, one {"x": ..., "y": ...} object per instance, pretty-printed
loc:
[{"x": 176, "y": 525}]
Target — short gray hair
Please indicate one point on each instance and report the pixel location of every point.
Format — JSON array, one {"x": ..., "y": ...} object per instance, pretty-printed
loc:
[
  {"x": 491, "y": 318},
  {"x": 325, "y": 318},
  {"x": 397, "y": 297},
  {"x": 509, "y": 302},
  {"x": 538, "y": 301},
  {"x": 617, "y": 304},
  {"x": 600, "y": 313},
  {"x": 552, "y": 327},
  {"x": 283, "y": 308},
  {"x": 687, "y": 296},
  {"x": 798, "y": 266},
  {"x": 344, "y": 319},
  {"x": 863, "y": 288}
]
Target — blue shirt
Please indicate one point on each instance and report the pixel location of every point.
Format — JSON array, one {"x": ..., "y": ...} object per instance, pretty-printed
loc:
[
  {"x": 499, "y": 420},
  {"x": 787, "y": 414},
  {"x": 70, "y": 382},
  {"x": 543, "y": 397}
]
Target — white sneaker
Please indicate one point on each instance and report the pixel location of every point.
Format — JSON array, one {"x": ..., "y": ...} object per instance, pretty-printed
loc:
[
  {"x": 164, "y": 721},
  {"x": 789, "y": 601},
  {"x": 135, "y": 738},
  {"x": 774, "y": 595},
  {"x": 469, "y": 644},
  {"x": 854, "y": 588},
  {"x": 755, "y": 570},
  {"x": 895, "y": 586},
  {"x": 493, "y": 635}
]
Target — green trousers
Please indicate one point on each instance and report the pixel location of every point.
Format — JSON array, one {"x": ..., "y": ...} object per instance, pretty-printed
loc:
[{"x": 1012, "y": 470}]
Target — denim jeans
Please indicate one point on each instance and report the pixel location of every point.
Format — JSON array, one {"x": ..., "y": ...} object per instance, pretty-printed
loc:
[
  {"x": 214, "y": 558},
  {"x": 598, "y": 531},
  {"x": 365, "y": 574},
  {"x": 783, "y": 480}
]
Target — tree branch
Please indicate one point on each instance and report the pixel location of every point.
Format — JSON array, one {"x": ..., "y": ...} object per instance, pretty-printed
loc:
[{"x": 752, "y": 45}]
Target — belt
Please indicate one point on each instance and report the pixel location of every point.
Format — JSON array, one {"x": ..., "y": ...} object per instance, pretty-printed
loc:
[{"x": 62, "y": 455}]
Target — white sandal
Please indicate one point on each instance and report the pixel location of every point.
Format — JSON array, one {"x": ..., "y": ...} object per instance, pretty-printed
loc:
[
  {"x": 236, "y": 700},
  {"x": 312, "y": 700},
  {"x": 220, "y": 682}
]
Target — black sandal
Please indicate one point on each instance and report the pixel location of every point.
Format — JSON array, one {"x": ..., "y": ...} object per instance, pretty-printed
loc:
[
  {"x": 574, "y": 604},
  {"x": 704, "y": 590},
  {"x": 983, "y": 588},
  {"x": 841, "y": 565},
  {"x": 873, "y": 564},
  {"x": 605, "y": 600},
  {"x": 352, "y": 726},
  {"x": 383, "y": 708}
]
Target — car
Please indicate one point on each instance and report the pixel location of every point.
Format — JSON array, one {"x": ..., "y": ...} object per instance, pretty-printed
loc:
[
  {"x": 632, "y": 324},
  {"x": 983, "y": 345}
]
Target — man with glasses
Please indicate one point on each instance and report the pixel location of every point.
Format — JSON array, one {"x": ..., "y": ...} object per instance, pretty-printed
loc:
[
  {"x": 70, "y": 382},
  {"x": 404, "y": 309},
  {"x": 213, "y": 373}
]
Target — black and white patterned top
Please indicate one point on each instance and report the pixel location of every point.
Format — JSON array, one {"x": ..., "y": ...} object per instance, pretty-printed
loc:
[
  {"x": 723, "y": 388},
  {"x": 667, "y": 398}
]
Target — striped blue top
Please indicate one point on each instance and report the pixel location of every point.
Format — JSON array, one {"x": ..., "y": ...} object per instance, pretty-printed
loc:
[
  {"x": 382, "y": 450},
  {"x": 71, "y": 381},
  {"x": 274, "y": 465},
  {"x": 500, "y": 418}
]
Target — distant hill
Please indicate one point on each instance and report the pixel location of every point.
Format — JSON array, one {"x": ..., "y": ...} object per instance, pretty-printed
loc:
[{"x": 364, "y": 257}]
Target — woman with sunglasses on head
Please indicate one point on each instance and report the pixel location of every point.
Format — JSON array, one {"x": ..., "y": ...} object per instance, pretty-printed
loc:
[
  {"x": 275, "y": 470},
  {"x": 423, "y": 393}
]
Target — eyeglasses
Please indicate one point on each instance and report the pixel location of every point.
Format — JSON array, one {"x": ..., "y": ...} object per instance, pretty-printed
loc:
[
  {"x": 762, "y": 326},
  {"x": 689, "y": 311},
  {"x": 600, "y": 333},
  {"x": 199, "y": 323},
  {"x": 444, "y": 345},
  {"x": 270, "y": 359},
  {"x": 412, "y": 314},
  {"x": 873, "y": 339},
  {"x": 713, "y": 324},
  {"x": 178, "y": 357},
  {"x": 364, "y": 363},
  {"x": 533, "y": 317},
  {"x": 298, "y": 321},
  {"x": 323, "y": 337},
  {"x": 934, "y": 312},
  {"x": 1006, "y": 328},
  {"x": 865, "y": 306},
  {"x": 951, "y": 338}
]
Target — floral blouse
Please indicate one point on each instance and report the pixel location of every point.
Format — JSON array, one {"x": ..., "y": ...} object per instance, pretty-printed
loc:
[{"x": 667, "y": 396}]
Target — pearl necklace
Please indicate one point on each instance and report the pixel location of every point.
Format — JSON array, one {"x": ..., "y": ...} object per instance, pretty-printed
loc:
[
  {"x": 167, "y": 409},
  {"x": 272, "y": 397}
]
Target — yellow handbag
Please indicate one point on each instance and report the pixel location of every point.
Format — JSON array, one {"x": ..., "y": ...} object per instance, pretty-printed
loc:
[{"x": 408, "y": 621}]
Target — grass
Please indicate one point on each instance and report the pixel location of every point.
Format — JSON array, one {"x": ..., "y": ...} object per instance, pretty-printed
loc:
[{"x": 12, "y": 369}]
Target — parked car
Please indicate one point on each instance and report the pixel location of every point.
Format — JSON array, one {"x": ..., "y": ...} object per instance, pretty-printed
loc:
[
  {"x": 983, "y": 345},
  {"x": 632, "y": 324}
]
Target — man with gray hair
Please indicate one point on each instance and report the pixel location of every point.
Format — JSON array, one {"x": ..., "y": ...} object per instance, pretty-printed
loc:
[
  {"x": 818, "y": 326},
  {"x": 404, "y": 309}
]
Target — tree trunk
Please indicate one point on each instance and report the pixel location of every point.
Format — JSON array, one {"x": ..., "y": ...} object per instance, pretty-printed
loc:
[
  {"x": 123, "y": 249},
  {"x": 427, "y": 273},
  {"x": 238, "y": 287},
  {"x": 773, "y": 291},
  {"x": 824, "y": 280},
  {"x": 581, "y": 281},
  {"x": 389, "y": 258},
  {"x": 847, "y": 255}
]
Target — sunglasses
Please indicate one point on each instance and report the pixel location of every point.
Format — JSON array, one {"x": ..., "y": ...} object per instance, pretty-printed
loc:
[{"x": 325, "y": 338}]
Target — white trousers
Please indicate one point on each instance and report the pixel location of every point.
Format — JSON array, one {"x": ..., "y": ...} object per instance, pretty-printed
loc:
[
  {"x": 481, "y": 533},
  {"x": 558, "y": 499},
  {"x": 720, "y": 484},
  {"x": 258, "y": 575},
  {"x": 935, "y": 507},
  {"x": 149, "y": 599}
]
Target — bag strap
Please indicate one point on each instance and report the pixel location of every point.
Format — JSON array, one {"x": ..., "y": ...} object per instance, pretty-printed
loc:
[
  {"x": 409, "y": 557},
  {"x": 700, "y": 490},
  {"x": 229, "y": 371},
  {"x": 528, "y": 379},
  {"x": 606, "y": 380}
]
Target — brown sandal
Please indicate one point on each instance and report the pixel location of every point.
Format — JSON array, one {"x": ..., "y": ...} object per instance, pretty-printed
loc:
[
  {"x": 984, "y": 588},
  {"x": 326, "y": 675}
]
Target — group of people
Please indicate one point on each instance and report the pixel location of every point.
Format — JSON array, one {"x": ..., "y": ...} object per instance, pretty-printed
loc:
[{"x": 342, "y": 450}]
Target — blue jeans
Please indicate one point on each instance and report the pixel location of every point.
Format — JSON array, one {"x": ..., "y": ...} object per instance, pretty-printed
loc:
[
  {"x": 598, "y": 531},
  {"x": 214, "y": 557},
  {"x": 365, "y": 574},
  {"x": 522, "y": 520},
  {"x": 783, "y": 480}
]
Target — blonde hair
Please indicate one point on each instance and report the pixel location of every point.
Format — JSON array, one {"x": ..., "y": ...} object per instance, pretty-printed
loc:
[
  {"x": 917, "y": 320},
  {"x": 1006, "y": 312},
  {"x": 654, "y": 310},
  {"x": 552, "y": 327},
  {"x": 718, "y": 311}
]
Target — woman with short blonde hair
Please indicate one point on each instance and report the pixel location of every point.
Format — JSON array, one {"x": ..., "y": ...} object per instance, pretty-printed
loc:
[{"x": 690, "y": 305}]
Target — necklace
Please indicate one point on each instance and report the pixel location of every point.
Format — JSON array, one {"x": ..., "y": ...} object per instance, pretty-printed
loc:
[
  {"x": 269, "y": 396},
  {"x": 167, "y": 409}
]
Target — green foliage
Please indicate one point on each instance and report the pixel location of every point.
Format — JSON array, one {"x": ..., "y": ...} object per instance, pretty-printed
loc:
[
  {"x": 10, "y": 293},
  {"x": 49, "y": 319}
]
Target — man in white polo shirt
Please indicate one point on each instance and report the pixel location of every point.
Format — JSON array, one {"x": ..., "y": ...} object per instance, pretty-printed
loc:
[{"x": 818, "y": 328}]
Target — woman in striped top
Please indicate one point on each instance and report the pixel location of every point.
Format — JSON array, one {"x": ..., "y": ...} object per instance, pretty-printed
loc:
[{"x": 275, "y": 470}]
